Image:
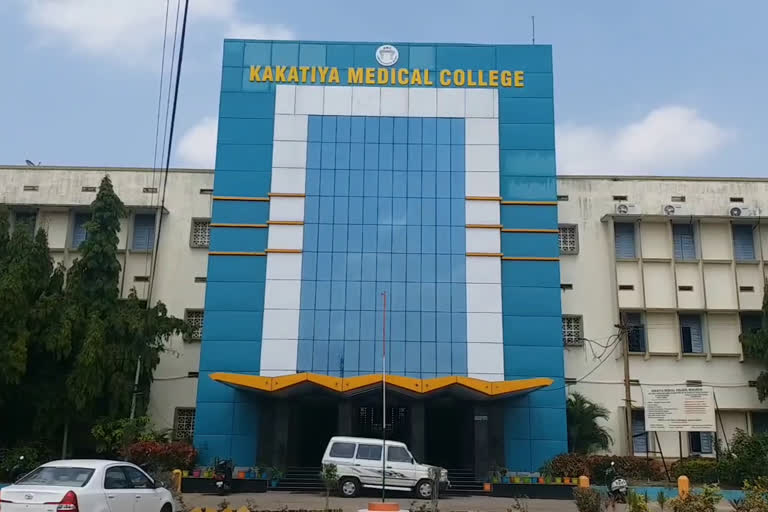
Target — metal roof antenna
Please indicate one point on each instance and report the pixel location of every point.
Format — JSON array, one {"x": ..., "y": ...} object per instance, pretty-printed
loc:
[{"x": 533, "y": 30}]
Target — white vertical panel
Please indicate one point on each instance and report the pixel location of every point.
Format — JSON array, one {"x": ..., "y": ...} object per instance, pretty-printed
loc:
[
  {"x": 366, "y": 101},
  {"x": 479, "y": 102},
  {"x": 422, "y": 102},
  {"x": 280, "y": 324},
  {"x": 282, "y": 294},
  {"x": 309, "y": 99},
  {"x": 483, "y": 240},
  {"x": 337, "y": 101},
  {"x": 290, "y": 127},
  {"x": 285, "y": 99},
  {"x": 450, "y": 102},
  {"x": 288, "y": 180},
  {"x": 482, "y": 157},
  {"x": 285, "y": 237},
  {"x": 482, "y": 212},
  {"x": 283, "y": 265},
  {"x": 278, "y": 356},
  {"x": 483, "y": 270},
  {"x": 482, "y": 184},
  {"x": 482, "y": 131},
  {"x": 289, "y": 154},
  {"x": 394, "y": 101},
  {"x": 286, "y": 208}
]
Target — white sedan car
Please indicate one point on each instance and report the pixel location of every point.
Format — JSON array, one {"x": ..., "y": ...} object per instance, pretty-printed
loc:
[{"x": 86, "y": 486}]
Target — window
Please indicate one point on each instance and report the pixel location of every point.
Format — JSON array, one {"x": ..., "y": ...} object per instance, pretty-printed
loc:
[
  {"x": 683, "y": 242},
  {"x": 201, "y": 233},
  {"x": 138, "y": 479},
  {"x": 58, "y": 476},
  {"x": 743, "y": 242},
  {"x": 624, "y": 233},
  {"x": 25, "y": 221},
  {"x": 115, "y": 478},
  {"x": 701, "y": 442},
  {"x": 572, "y": 331},
  {"x": 343, "y": 450},
  {"x": 398, "y": 454},
  {"x": 635, "y": 331},
  {"x": 639, "y": 434},
  {"x": 759, "y": 422},
  {"x": 144, "y": 232},
  {"x": 568, "y": 236},
  {"x": 691, "y": 334},
  {"x": 184, "y": 423},
  {"x": 79, "y": 235},
  {"x": 194, "y": 317},
  {"x": 369, "y": 452},
  {"x": 751, "y": 322}
]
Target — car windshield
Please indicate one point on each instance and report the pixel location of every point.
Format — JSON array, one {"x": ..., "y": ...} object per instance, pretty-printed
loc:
[{"x": 57, "y": 476}]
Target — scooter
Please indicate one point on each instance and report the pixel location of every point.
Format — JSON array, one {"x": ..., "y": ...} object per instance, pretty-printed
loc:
[
  {"x": 617, "y": 485},
  {"x": 18, "y": 470},
  {"x": 222, "y": 474}
]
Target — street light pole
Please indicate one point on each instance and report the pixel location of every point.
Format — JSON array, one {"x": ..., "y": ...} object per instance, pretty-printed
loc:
[
  {"x": 624, "y": 333},
  {"x": 384, "y": 401}
]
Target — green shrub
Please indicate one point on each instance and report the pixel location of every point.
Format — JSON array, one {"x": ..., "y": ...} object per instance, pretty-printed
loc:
[
  {"x": 636, "y": 502},
  {"x": 34, "y": 454},
  {"x": 594, "y": 466},
  {"x": 747, "y": 459},
  {"x": 587, "y": 499},
  {"x": 704, "y": 501},
  {"x": 156, "y": 456},
  {"x": 755, "y": 496},
  {"x": 698, "y": 471}
]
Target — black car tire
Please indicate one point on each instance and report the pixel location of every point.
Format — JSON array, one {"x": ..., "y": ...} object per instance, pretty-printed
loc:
[
  {"x": 349, "y": 487},
  {"x": 424, "y": 489}
]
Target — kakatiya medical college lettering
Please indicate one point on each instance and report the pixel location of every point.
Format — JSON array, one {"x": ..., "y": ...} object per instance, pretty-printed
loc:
[{"x": 388, "y": 76}]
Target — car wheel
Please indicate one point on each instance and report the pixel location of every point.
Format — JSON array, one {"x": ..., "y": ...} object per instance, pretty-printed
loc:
[
  {"x": 167, "y": 508},
  {"x": 349, "y": 487},
  {"x": 424, "y": 489}
]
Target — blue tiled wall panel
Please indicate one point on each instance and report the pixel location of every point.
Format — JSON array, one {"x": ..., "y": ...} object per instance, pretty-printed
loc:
[
  {"x": 515, "y": 188},
  {"x": 526, "y": 136},
  {"x": 232, "y": 325},
  {"x": 284, "y": 54},
  {"x": 245, "y": 131},
  {"x": 533, "y": 361},
  {"x": 537, "y": 85},
  {"x": 241, "y": 212},
  {"x": 240, "y": 157},
  {"x": 238, "y": 239},
  {"x": 231, "y": 80},
  {"x": 237, "y": 269},
  {"x": 221, "y": 357},
  {"x": 233, "y": 53},
  {"x": 540, "y": 245},
  {"x": 527, "y": 162},
  {"x": 537, "y": 331},
  {"x": 234, "y": 296},
  {"x": 531, "y": 301},
  {"x": 531, "y": 273},
  {"x": 242, "y": 183},
  {"x": 526, "y": 110},
  {"x": 528, "y": 217},
  {"x": 247, "y": 105},
  {"x": 531, "y": 58}
]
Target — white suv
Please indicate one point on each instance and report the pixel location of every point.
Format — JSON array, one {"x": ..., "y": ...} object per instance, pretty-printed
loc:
[{"x": 358, "y": 462}]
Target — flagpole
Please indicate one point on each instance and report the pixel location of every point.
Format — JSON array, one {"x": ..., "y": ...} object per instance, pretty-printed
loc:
[{"x": 384, "y": 401}]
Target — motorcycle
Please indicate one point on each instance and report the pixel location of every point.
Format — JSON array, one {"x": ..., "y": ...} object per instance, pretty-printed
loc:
[
  {"x": 222, "y": 474},
  {"x": 617, "y": 485},
  {"x": 18, "y": 470}
]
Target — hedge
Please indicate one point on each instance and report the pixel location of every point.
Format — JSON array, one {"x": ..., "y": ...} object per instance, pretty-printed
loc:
[{"x": 595, "y": 466}]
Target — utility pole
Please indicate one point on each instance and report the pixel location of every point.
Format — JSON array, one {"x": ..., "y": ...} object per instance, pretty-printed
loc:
[{"x": 624, "y": 335}]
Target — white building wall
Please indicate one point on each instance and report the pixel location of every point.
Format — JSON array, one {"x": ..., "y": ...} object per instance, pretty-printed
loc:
[{"x": 655, "y": 279}]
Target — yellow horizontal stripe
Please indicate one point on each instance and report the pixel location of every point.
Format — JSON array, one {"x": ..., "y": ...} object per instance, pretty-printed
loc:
[
  {"x": 285, "y": 194},
  {"x": 505, "y": 230},
  {"x": 285, "y": 251},
  {"x": 482, "y": 198},
  {"x": 233, "y": 198},
  {"x": 530, "y": 203},
  {"x": 485, "y": 254},
  {"x": 349, "y": 384},
  {"x": 528, "y": 258},
  {"x": 227, "y": 253},
  {"x": 286, "y": 222},
  {"x": 484, "y": 226},
  {"x": 220, "y": 225}
]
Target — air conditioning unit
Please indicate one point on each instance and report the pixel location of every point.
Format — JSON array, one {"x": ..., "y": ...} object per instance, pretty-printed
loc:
[
  {"x": 627, "y": 209},
  {"x": 738, "y": 210},
  {"x": 675, "y": 209}
]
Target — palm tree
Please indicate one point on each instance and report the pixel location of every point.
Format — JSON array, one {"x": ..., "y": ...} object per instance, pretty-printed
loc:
[{"x": 584, "y": 433}]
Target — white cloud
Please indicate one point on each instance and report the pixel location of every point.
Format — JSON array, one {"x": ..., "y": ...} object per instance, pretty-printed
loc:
[
  {"x": 132, "y": 30},
  {"x": 668, "y": 139},
  {"x": 197, "y": 147},
  {"x": 259, "y": 31}
]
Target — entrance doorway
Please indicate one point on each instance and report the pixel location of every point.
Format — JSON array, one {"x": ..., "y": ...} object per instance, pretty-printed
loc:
[
  {"x": 449, "y": 435},
  {"x": 314, "y": 423},
  {"x": 368, "y": 423}
]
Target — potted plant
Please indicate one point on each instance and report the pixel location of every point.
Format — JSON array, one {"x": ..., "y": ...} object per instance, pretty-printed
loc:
[
  {"x": 558, "y": 480},
  {"x": 504, "y": 475},
  {"x": 184, "y": 473},
  {"x": 275, "y": 477},
  {"x": 196, "y": 473}
]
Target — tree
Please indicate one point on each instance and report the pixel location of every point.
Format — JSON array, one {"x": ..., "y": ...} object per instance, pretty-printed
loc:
[
  {"x": 755, "y": 344},
  {"x": 330, "y": 478},
  {"x": 585, "y": 435},
  {"x": 83, "y": 339}
]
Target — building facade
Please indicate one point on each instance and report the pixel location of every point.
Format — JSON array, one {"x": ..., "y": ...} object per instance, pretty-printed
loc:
[
  {"x": 688, "y": 283},
  {"x": 393, "y": 209}
]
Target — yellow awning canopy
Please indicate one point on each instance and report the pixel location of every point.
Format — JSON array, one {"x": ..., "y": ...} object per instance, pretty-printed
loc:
[{"x": 349, "y": 386}]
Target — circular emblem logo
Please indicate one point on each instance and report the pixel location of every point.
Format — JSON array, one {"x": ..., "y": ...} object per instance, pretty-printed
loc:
[{"x": 387, "y": 55}]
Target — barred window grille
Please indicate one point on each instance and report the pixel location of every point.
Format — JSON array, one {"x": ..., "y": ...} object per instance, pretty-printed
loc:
[
  {"x": 201, "y": 233},
  {"x": 569, "y": 240},
  {"x": 572, "y": 331},
  {"x": 184, "y": 424},
  {"x": 194, "y": 317}
]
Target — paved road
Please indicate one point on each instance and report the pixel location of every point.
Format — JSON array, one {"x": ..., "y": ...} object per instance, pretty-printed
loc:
[{"x": 278, "y": 500}]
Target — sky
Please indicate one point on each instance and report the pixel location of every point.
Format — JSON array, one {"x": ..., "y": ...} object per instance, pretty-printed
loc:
[{"x": 652, "y": 87}]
